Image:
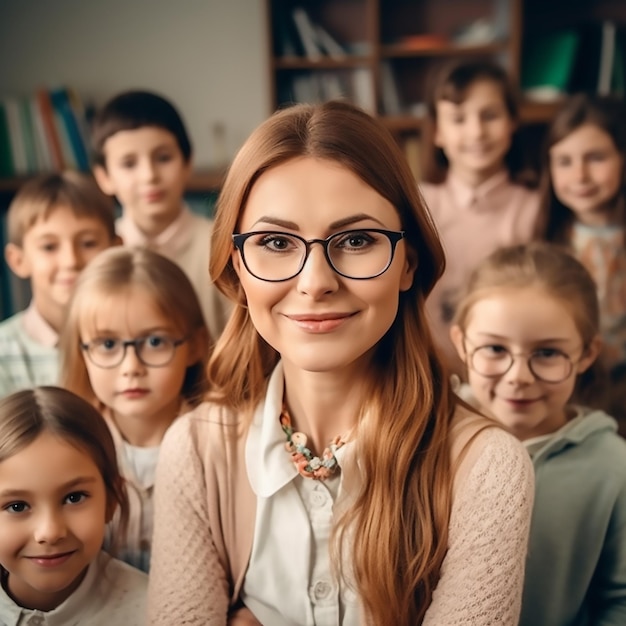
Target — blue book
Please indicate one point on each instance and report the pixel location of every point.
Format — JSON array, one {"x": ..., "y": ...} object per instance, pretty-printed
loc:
[{"x": 63, "y": 107}]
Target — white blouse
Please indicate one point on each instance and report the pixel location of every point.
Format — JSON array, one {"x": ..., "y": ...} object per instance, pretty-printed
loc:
[{"x": 292, "y": 531}]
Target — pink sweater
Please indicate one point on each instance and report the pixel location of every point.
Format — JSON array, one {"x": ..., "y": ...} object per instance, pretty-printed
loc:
[
  {"x": 205, "y": 512},
  {"x": 472, "y": 223}
]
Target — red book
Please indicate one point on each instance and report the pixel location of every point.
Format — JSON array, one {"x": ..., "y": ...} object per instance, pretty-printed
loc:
[{"x": 47, "y": 115}]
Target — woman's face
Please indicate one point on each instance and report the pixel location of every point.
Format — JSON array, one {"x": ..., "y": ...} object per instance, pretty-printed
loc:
[{"x": 319, "y": 320}]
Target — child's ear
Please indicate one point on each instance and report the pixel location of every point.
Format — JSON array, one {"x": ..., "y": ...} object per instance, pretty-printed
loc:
[
  {"x": 590, "y": 355},
  {"x": 457, "y": 336},
  {"x": 17, "y": 260},
  {"x": 103, "y": 180}
]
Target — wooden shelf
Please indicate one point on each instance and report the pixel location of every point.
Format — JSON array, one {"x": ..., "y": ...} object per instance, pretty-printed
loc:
[
  {"x": 301, "y": 63},
  {"x": 396, "y": 51}
]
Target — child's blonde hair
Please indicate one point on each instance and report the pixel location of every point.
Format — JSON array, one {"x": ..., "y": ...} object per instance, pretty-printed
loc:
[
  {"x": 25, "y": 415},
  {"x": 554, "y": 270},
  {"x": 116, "y": 271},
  {"x": 42, "y": 195}
]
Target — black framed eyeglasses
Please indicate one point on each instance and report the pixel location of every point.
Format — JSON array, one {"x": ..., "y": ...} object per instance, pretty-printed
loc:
[
  {"x": 151, "y": 350},
  {"x": 276, "y": 256},
  {"x": 549, "y": 365}
]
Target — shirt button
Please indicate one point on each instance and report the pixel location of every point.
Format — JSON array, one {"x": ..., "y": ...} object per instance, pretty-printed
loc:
[
  {"x": 321, "y": 589},
  {"x": 36, "y": 620},
  {"x": 318, "y": 498}
]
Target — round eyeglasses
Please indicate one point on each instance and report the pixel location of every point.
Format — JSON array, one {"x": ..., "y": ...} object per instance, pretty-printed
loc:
[
  {"x": 359, "y": 254},
  {"x": 549, "y": 365},
  {"x": 152, "y": 350}
]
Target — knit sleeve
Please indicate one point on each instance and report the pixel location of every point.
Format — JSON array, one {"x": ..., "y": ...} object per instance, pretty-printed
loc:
[
  {"x": 188, "y": 585},
  {"x": 483, "y": 572}
]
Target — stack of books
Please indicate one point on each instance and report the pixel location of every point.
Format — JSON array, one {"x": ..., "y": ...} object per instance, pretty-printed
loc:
[{"x": 46, "y": 131}]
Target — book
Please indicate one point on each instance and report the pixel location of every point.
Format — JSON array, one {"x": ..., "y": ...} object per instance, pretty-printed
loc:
[
  {"x": 548, "y": 64},
  {"x": 308, "y": 35},
  {"x": 72, "y": 140},
  {"x": 607, "y": 57},
  {"x": 50, "y": 128},
  {"x": 389, "y": 88},
  {"x": 363, "y": 89},
  {"x": 329, "y": 44},
  {"x": 28, "y": 135},
  {"x": 16, "y": 138},
  {"x": 43, "y": 153},
  {"x": 6, "y": 158}
]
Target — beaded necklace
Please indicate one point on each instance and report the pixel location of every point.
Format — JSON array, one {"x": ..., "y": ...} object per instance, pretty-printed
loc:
[{"x": 308, "y": 465}]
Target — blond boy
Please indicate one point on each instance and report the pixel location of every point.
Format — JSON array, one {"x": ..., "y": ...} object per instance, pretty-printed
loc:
[
  {"x": 56, "y": 224},
  {"x": 143, "y": 157}
]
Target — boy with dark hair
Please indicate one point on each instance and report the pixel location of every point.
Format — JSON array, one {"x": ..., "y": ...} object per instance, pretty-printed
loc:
[{"x": 143, "y": 157}]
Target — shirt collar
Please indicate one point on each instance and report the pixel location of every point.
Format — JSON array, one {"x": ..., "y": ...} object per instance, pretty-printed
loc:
[
  {"x": 38, "y": 329},
  {"x": 470, "y": 198},
  {"x": 174, "y": 238},
  {"x": 269, "y": 466}
]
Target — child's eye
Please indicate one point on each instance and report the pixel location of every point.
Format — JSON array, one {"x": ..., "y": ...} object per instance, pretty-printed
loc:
[
  {"x": 90, "y": 243},
  {"x": 48, "y": 247},
  {"x": 597, "y": 156},
  {"x": 16, "y": 507},
  {"x": 491, "y": 115},
  {"x": 128, "y": 164},
  {"x": 76, "y": 497},
  {"x": 164, "y": 158}
]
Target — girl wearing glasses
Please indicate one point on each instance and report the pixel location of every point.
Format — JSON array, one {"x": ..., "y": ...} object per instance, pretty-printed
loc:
[
  {"x": 135, "y": 345},
  {"x": 331, "y": 478},
  {"x": 527, "y": 329}
]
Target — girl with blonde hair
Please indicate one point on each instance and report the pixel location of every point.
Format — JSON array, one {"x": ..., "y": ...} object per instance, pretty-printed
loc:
[
  {"x": 135, "y": 346},
  {"x": 396, "y": 506},
  {"x": 528, "y": 330},
  {"x": 59, "y": 486}
]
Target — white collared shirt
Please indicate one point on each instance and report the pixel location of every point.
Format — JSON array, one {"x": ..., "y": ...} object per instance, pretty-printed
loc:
[{"x": 289, "y": 580}]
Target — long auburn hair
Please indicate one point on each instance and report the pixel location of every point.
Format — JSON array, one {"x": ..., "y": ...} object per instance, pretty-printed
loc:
[
  {"x": 24, "y": 415},
  {"x": 451, "y": 83},
  {"x": 398, "y": 524},
  {"x": 555, "y": 270},
  {"x": 608, "y": 114},
  {"x": 112, "y": 274}
]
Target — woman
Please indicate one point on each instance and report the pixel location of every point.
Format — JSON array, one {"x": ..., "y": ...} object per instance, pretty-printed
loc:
[{"x": 396, "y": 506}]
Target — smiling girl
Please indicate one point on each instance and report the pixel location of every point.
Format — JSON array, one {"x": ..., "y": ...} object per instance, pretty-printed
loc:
[
  {"x": 331, "y": 479},
  {"x": 134, "y": 345},
  {"x": 59, "y": 486},
  {"x": 527, "y": 330},
  {"x": 584, "y": 191}
]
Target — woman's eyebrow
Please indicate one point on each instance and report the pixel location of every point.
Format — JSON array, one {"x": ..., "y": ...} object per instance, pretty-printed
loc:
[{"x": 346, "y": 221}]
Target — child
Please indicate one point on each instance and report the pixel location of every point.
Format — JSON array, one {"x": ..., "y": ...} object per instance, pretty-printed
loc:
[
  {"x": 417, "y": 510},
  {"x": 527, "y": 329},
  {"x": 468, "y": 179},
  {"x": 143, "y": 157},
  {"x": 56, "y": 224},
  {"x": 135, "y": 346},
  {"x": 583, "y": 193},
  {"x": 59, "y": 486}
]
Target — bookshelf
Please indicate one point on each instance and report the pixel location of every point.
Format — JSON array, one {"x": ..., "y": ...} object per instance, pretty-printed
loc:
[{"x": 396, "y": 46}]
